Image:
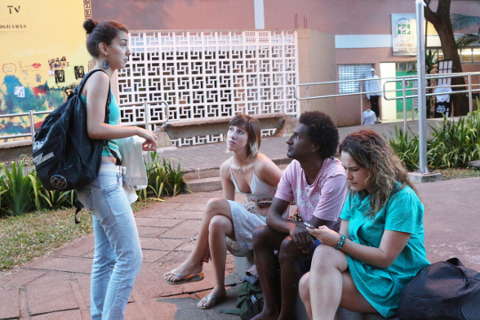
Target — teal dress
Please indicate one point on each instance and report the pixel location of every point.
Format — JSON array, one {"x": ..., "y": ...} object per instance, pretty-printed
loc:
[{"x": 403, "y": 212}]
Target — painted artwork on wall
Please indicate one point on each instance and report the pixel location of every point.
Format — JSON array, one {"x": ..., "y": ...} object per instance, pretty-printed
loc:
[{"x": 42, "y": 56}]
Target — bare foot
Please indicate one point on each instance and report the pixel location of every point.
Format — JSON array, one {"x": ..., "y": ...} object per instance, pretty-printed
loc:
[
  {"x": 182, "y": 272},
  {"x": 266, "y": 315}
]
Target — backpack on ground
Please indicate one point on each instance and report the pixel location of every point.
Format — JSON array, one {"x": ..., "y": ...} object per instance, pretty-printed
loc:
[
  {"x": 250, "y": 298},
  {"x": 443, "y": 290},
  {"x": 65, "y": 157}
]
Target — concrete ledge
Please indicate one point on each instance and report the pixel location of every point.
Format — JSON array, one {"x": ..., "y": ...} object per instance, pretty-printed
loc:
[
  {"x": 205, "y": 185},
  {"x": 344, "y": 314},
  {"x": 424, "y": 177},
  {"x": 12, "y": 150},
  {"x": 215, "y": 126},
  {"x": 475, "y": 164}
]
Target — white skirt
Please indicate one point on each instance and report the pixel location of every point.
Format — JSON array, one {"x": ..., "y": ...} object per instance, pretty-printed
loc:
[{"x": 244, "y": 223}]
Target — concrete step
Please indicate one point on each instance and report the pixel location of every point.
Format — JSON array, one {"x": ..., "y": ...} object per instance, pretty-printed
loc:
[{"x": 205, "y": 184}]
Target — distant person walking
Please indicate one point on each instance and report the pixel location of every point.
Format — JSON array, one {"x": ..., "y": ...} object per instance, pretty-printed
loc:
[
  {"x": 118, "y": 256},
  {"x": 374, "y": 85}
]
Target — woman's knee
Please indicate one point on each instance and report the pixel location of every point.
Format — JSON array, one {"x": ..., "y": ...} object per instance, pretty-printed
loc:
[
  {"x": 130, "y": 260},
  {"x": 214, "y": 207},
  {"x": 326, "y": 257},
  {"x": 220, "y": 225}
]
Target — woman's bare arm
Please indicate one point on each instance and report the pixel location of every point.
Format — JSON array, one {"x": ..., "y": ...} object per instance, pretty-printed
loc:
[{"x": 96, "y": 90}]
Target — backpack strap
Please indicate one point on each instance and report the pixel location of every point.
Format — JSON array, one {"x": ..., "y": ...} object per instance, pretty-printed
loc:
[
  {"x": 107, "y": 108},
  {"x": 78, "y": 92}
]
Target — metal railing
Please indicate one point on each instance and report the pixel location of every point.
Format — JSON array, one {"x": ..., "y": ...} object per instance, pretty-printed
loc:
[
  {"x": 148, "y": 123},
  {"x": 471, "y": 87}
]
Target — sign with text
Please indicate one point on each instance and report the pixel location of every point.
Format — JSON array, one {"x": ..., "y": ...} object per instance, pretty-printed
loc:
[
  {"x": 13, "y": 26},
  {"x": 13, "y": 16},
  {"x": 404, "y": 34}
]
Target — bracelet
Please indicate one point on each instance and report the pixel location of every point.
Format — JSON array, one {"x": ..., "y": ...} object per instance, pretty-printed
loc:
[{"x": 340, "y": 242}]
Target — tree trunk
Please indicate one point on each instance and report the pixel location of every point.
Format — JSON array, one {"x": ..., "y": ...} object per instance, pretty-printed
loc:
[{"x": 443, "y": 25}]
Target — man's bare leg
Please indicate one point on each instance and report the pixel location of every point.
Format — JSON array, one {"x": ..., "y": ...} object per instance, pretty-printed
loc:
[
  {"x": 291, "y": 272},
  {"x": 265, "y": 241}
]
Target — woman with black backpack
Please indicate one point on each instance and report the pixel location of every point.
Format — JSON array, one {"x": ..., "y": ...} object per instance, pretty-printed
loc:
[
  {"x": 380, "y": 246},
  {"x": 118, "y": 255}
]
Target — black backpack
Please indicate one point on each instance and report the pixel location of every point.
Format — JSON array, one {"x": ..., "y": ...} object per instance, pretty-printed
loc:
[
  {"x": 65, "y": 157},
  {"x": 441, "y": 291}
]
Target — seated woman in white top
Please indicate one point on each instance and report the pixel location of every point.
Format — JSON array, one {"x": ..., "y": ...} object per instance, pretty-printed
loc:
[{"x": 249, "y": 172}]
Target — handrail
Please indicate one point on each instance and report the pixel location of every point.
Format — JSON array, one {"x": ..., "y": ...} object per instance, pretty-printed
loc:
[
  {"x": 31, "y": 114},
  {"x": 386, "y": 80}
]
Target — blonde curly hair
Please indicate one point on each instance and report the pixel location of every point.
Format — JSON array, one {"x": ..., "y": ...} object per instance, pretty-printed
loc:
[{"x": 370, "y": 151}]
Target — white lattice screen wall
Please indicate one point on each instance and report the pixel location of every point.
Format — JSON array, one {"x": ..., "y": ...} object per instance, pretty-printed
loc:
[{"x": 205, "y": 75}]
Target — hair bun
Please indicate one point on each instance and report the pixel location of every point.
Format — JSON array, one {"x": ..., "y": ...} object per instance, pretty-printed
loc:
[{"x": 89, "y": 25}]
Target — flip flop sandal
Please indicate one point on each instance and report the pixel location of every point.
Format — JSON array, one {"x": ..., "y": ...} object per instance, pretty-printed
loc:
[
  {"x": 209, "y": 302},
  {"x": 190, "y": 278}
]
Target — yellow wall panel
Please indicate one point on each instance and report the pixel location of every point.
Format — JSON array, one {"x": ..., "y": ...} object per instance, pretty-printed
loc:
[{"x": 42, "y": 53}]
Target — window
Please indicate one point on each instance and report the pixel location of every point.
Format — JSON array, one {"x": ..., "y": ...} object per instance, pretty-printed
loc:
[
  {"x": 353, "y": 72},
  {"x": 476, "y": 55},
  {"x": 406, "y": 66},
  {"x": 467, "y": 55}
]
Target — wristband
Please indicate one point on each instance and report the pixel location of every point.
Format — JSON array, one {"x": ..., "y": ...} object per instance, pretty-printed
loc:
[{"x": 340, "y": 242}]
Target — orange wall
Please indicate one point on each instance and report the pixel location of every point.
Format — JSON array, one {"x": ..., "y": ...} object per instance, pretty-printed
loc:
[
  {"x": 177, "y": 14},
  {"x": 332, "y": 16}
]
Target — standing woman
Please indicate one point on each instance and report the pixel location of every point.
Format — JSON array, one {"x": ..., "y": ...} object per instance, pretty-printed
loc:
[
  {"x": 118, "y": 256},
  {"x": 249, "y": 172},
  {"x": 380, "y": 247}
]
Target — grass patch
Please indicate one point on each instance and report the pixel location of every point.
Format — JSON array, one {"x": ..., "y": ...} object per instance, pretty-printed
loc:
[{"x": 33, "y": 234}]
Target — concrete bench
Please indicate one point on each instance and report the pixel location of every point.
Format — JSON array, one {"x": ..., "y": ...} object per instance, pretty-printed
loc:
[{"x": 216, "y": 126}]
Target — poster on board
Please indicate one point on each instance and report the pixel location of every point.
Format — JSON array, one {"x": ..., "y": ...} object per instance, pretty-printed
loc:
[{"x": 404, "y": 34}]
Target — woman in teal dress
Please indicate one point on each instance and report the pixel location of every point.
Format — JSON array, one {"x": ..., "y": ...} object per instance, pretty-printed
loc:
[{"x": 379, "y": 248}]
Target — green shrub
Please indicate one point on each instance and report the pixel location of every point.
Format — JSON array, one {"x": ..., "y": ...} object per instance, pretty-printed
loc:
[
  {"x": 451, "y": 145},
  {"x": 454, "y": 144},
  {"x": 163, "y": 178},
  {"x": 17, "y": 192},
  {"x": 406, "y": 146},
  {"x": 21, "y": 193}
]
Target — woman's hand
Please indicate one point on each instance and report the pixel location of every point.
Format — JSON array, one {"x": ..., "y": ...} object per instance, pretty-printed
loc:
[
  {"x": 325, "y": 235},
  {"x": 150, "y": 143}
]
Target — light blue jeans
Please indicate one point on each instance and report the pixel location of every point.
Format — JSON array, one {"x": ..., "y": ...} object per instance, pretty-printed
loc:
[{"x": 118, "y": 255}]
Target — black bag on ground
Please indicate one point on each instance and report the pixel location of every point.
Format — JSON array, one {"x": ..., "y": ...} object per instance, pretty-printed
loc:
[
  {"x": 441, "y": 291},
  {"x": 250, "y": 297},
  {"x": 65, "y": 157}
]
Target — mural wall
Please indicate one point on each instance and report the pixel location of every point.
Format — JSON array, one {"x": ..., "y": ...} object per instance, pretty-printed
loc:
[{"x": 42, "y": 55}]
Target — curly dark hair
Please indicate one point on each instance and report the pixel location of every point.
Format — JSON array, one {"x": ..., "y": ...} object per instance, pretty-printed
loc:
[
  {"x": 322, "y": 131},
  {"x": 97, "y": 32},
  {"x": 372, "y": 152}
]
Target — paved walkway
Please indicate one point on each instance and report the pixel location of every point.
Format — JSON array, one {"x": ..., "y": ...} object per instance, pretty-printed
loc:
[
  {"x": 56, "y": 286},
  {"x": 200, "y": 158}
]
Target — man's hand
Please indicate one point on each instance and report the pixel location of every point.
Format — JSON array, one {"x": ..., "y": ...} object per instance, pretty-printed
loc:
[{"x": 301, "y": 237}]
